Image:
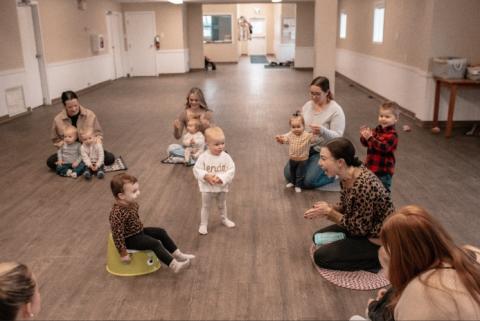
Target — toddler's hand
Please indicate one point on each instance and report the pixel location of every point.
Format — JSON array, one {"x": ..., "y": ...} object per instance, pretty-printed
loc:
[
  {"x": 93, "y": 167},
  {"x": 280, "y": 139},
  {"x": 366, "y": 132},
  {"x": 126, "y": 259},
  {"x": 210, "y": 179},
  {"x": 58, "y": 144},
  {"x": 192, "y": 142},
  {"x": 74, "y": 164},
  {"x": 59, "y": 162},
  {"x": 218, "y": 181},
  {"x": 315, "y": 129}
]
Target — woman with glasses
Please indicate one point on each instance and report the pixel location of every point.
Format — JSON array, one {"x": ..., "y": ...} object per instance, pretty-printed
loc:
[{"x": 325, "y": 119}]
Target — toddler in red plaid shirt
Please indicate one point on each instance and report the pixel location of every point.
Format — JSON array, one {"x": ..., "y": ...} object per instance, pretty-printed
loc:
[{"x": 381, "y": 143}]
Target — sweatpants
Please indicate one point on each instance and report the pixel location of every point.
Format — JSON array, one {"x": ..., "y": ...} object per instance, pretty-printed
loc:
[
  {"x": 208, "y": 200},
  {"x": 350, "y": 254},
  {"x": 155, "y": 239}
]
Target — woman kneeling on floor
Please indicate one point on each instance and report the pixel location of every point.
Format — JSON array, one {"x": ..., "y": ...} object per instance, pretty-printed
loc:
[{"x": 350, "y": 244}]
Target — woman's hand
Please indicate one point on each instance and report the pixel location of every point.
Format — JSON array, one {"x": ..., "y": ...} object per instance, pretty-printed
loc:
[
  {"x": 319, "y": 209},
  {"x": 58, "y": 144},
  {"x": 380, "y": 295},
  {"x": 177, "y": 124}
]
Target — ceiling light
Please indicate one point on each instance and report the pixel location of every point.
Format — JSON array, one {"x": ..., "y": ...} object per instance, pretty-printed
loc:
[
  {"x": 274, "y": 1},
  {"x": 176, "y": 1}
]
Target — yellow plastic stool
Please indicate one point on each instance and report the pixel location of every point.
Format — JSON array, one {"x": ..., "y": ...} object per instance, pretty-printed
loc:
[{"x": 142, "y": 262}]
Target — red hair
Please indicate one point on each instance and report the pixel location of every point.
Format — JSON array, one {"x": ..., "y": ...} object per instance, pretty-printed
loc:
[{"x": 416, "y": 243}]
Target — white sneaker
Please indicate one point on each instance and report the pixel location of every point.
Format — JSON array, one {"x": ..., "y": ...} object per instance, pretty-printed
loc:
[
  {"x": 298, "y": 189},
  {"x": 73, "y": 175},
  {"x": 289, "y": 185},
  {"x": 69, "y": 172},
  {"x": 181, "y": 257},
  {"x": 203, "y": 230},
  {"x": 177, "y": 266},
  {"x": 228, "y": 223}
]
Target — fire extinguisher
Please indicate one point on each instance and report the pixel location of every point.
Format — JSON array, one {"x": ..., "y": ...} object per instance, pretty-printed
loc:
[{"x": 156, "y": 40}]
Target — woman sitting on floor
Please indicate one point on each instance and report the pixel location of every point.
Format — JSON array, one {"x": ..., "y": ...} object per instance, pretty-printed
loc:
[
  {"x": 350, "y": 244},
  {"x": 80, "y": 117},
  {"x": 434, "y": 279},
  {"x": 325, "y": 119}
]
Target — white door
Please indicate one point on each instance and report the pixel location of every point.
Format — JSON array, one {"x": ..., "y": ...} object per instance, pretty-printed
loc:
[
  {"x": 115, "y": 29},
  {"x": 33, "y": 85},
  {"x": 140, "y": 38},
  {"x": 258, "y": 44}
]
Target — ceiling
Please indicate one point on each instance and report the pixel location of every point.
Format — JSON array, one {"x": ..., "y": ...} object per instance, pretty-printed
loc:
[{"x": 214, "y": 1}]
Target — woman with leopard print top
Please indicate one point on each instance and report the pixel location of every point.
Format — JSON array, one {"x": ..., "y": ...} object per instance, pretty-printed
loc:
[{"x": 351, "y": 243}]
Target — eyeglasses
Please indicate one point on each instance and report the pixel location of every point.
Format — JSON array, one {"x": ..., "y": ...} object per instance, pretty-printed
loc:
[{"x": 315, "y": 94}]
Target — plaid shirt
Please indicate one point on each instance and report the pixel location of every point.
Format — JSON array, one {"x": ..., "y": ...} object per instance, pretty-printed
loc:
[
  {"x": 381, "y": 146},
  {"x": 299, "y": 145}
]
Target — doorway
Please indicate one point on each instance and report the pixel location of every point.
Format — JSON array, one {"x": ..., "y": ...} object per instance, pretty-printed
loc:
[
  {"x": 258, "y": 44},
  {"x": 141, "y": 32},
  {"x": 36, "y": 84},
  {"x": 115, "y": 30}
]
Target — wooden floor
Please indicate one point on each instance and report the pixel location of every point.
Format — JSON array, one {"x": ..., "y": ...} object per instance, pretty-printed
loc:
[{"x": 261, "y": 269}]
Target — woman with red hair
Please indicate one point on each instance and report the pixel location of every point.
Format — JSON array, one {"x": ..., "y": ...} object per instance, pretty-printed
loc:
[{"x": 433, "y": 278}]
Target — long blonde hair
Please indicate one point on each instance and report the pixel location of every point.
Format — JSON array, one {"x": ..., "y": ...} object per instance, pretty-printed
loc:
[{"x": 201, "y": 98}]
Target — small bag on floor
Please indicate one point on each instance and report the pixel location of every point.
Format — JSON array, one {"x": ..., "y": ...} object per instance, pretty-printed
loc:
[{"x": 328, "y": 237}]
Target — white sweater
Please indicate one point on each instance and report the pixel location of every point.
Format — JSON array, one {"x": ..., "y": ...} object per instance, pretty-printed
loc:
[
  {"x": 92, "y": 154},
  {"x": 221, "y": 166}
]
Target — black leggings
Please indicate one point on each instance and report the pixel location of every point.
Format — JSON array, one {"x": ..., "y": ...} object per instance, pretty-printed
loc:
[
  {"x": 109, "y": 158},
  {"x": 350, "y": 254},
  {"x": 155, "y": 239}
]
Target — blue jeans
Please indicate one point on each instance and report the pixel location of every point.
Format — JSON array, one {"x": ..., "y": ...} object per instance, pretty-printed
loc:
[
  {"x": 386, "y": 180},
  {"x": 314, "y": 174},
  {"x": 62, "y": 169},
  {"x": 176, "y": 150}
]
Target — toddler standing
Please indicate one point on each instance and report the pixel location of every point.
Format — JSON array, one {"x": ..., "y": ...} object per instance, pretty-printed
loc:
[
  {"x": 128, "y": 231},
  {"x": 298, "y": 150},
  {"x": 214, "y": 171},
  {"x": 69, "y": 159},
  {"x": 381, "y": 143},
  {"x": 193, "y": 141},
  {"x": 92, "y": 156}
]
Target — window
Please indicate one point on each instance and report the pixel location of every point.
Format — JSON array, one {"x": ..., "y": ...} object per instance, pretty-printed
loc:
[
  {"x": 378, "y": 20},
  {"x": 217, "y": 28},
  {"x": 343, "y": 25}
]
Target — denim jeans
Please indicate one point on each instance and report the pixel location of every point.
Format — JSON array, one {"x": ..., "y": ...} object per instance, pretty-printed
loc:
[
  {"x": 62, "y": 169},
  {"x": 176, "y": 150},
  {"x": 386, "y": 180},
  {"x": 314, "y": 174}
]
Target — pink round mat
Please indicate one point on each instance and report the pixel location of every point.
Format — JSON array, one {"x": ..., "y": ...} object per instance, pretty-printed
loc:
[{"x": 356, "y": 280}]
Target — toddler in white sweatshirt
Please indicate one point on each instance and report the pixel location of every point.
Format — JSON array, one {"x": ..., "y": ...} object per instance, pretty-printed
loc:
[{"x": 214, "y": 171}]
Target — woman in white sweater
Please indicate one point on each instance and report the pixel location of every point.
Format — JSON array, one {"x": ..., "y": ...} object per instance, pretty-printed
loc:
[
  {"x": 433, "y": 278},
  {"x": 325, "y": 119}
]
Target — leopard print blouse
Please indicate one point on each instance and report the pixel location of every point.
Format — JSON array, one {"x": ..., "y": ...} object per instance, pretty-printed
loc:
[
  {"x": 365, "y": 205},
  {"x": 124, "y": 222}
]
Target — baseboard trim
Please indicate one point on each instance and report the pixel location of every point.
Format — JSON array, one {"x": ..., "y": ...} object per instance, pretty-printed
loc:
[
  {"x": 8, "y": 118},
  {"x": 302, "y": 68},
  {"x": 377, "y": 96},
  {"x": 443, "y": 123},
  {"x": 86, "y": 90}
]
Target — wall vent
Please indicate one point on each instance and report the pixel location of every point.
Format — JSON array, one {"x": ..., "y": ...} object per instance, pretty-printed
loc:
[{"x": 15, "y": 101}]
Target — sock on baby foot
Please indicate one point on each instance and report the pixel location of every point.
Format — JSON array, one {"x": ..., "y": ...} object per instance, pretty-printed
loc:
[
  {"x": 228, "y": 223},
  {"x": 178, "y": 266},
  {"x": 203, "y": 230},
  {"x": 181, "y": 257}
]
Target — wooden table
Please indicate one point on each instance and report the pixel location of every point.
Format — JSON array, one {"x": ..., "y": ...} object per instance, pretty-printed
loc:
[{"x": 453, "y": 84}]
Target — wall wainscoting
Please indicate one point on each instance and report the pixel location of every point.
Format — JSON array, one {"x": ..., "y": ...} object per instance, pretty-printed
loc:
[
  {"x": 412, "y": 88},
  {"x": 285, "y": 52},
  {"x": 172, "y": 61},
  {"x": 79, "y": 73},
  {"x": 304, "y": 57}
]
